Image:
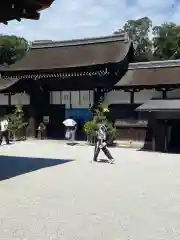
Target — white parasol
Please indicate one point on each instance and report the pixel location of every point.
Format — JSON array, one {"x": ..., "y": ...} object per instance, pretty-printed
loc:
[{"x": 69, "y": 122}]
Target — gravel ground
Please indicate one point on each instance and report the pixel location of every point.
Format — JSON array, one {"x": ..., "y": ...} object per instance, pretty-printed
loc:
[{"x": 137, "y": 198}]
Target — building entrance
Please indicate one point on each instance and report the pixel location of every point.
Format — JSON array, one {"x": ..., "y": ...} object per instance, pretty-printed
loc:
[
  {"x": 174, "y": 143},
  {"x": 55, "y": 115}
]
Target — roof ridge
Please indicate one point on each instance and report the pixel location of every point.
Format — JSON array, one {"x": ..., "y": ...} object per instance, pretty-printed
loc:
[{"x": 82, "y": 41}]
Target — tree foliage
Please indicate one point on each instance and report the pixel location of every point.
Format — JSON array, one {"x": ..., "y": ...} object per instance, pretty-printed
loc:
[
  {"x": 16, "y": 121},
  {"x": 153, "y": 43},
  {"x": 138, "y": 31},
  {"x": 166, "y": 41},
  {"x": 12, "y": 49}
]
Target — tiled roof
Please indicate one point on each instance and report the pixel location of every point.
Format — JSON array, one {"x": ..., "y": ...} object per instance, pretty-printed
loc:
[
  {"x": 5, "y": 83},
  {"x": 48, "y": 55},
  {"x": 155, "y": 64},
  {"x": 157, "y": 73},
  {"x": 160, "y": 105}
]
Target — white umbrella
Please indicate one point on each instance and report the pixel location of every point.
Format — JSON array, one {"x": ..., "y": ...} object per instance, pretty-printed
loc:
[{"x": 69, "y": 122}]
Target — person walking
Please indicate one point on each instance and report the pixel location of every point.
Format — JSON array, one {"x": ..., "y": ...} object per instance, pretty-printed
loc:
[
  {"x": 4, "y": 131},
  {"x": 101, "y": 143},
  {"x": 70, "y": 129}
]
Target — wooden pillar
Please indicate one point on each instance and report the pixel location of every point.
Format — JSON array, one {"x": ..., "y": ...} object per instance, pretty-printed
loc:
[
  {"x": 132, "y": 97},
  {"x": 31, "y": 129},
  {"x": 39, "y": 102},
  {"x": 97, "y": 95},
  {"x": 164, "y": 94},
  {"x": 89, "y": 94},
  {"x": 166, "y": 136},
  {"x": 151, "y": 130},
  {"x": 159, "y": 133},
  {"x": 70, "y": 99},
  {"x": 153, "y": 143},
  {"x": 79, "y": 97},
  {"x": 9, "y": 99}
]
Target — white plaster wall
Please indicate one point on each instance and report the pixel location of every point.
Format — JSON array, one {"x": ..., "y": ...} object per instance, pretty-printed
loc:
[
  {"x": 65, "y": 98},
  {"x": 119, "y": 96},
  {"x": 115, "y": 97},
  {"x": 174, "y": 93},
  {"x": 84, "y": 99},
  {"x": 75, "y": 99},
  {"x": 3, "y": 99},
  {"x": 145, "y": 95},
  {"x": 55, "y": 97},
  {"x": 20, "y": 98},
  {"x": 78, "y": 99}
]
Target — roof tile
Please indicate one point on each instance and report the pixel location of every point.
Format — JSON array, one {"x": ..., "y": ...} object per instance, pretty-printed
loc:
[{"x": 72, "y": 54}]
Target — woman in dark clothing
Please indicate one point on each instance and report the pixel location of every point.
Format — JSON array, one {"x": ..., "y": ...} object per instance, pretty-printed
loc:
[{"x": 42, "y": 131}]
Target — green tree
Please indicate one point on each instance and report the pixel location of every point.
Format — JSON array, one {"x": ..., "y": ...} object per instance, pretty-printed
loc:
[
  {"x": 166, "y": 41},
  {"x": 100, "y": 114},
  {"x": 17, "y": 123},
  {"x": 12, "y": 49},
  {"x": 138, "y": 31}
]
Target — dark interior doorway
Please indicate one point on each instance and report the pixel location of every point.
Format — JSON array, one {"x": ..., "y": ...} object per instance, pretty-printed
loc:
[
  {"x": 55, "y": 127},
  {"x": 174, "y": 143}
]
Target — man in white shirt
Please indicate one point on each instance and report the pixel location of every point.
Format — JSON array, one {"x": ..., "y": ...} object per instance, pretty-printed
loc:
[{"x": 4, "y": 131}]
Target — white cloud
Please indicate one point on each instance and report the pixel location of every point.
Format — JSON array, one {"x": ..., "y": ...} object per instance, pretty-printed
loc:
[{"x": 88, "y": 18}]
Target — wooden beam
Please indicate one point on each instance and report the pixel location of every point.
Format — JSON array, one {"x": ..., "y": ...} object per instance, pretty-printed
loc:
[{"x": 70, "y": 99}]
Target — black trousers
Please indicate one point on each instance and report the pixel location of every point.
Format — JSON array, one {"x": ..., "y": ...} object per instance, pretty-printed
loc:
[
  {"x": 104, "y": 149},
  {"x": 4, "y": 134},
  {"x": 41, "y": 134}
]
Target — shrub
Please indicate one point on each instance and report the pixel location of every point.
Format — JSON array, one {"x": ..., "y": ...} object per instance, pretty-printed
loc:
[
  {"x": 112, "y": 133},
  {"x": 90, "y": 131},
  {"x": 101, "y": 114},
  {"x": 90, "y": 128},
  {"x": 17, "y": 124}
]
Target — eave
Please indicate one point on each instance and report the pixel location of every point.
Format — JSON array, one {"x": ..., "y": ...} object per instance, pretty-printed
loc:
[{"x": 16, "y": 10}]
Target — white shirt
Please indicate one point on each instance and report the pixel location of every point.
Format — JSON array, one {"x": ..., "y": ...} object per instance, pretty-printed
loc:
[
  {"x": 101, "y": 134},
  {"x": 4, "y": 125}
]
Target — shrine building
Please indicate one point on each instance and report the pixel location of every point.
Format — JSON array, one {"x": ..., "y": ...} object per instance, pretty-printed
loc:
[{"x": 56, "y": 80}]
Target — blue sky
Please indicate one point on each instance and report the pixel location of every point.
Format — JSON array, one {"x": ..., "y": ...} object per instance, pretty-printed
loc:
[{"x": 69, "y": 19}]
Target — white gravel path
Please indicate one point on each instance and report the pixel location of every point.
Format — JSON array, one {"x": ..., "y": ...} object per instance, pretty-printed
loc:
[{"x": 137, "y": 198}]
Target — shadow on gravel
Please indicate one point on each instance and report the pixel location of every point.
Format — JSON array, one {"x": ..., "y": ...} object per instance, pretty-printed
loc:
[
  {"x": 102, "y": 160},
  {"x": 171, "y": 151},
  {"x": 11, "y": 166}
]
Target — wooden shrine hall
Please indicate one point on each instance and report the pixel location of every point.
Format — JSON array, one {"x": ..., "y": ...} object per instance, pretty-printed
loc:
[
  {"x": 154, "y": 89},
  {"x": 89, "y": 65},
  {"x": 57, "y": 80}
]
